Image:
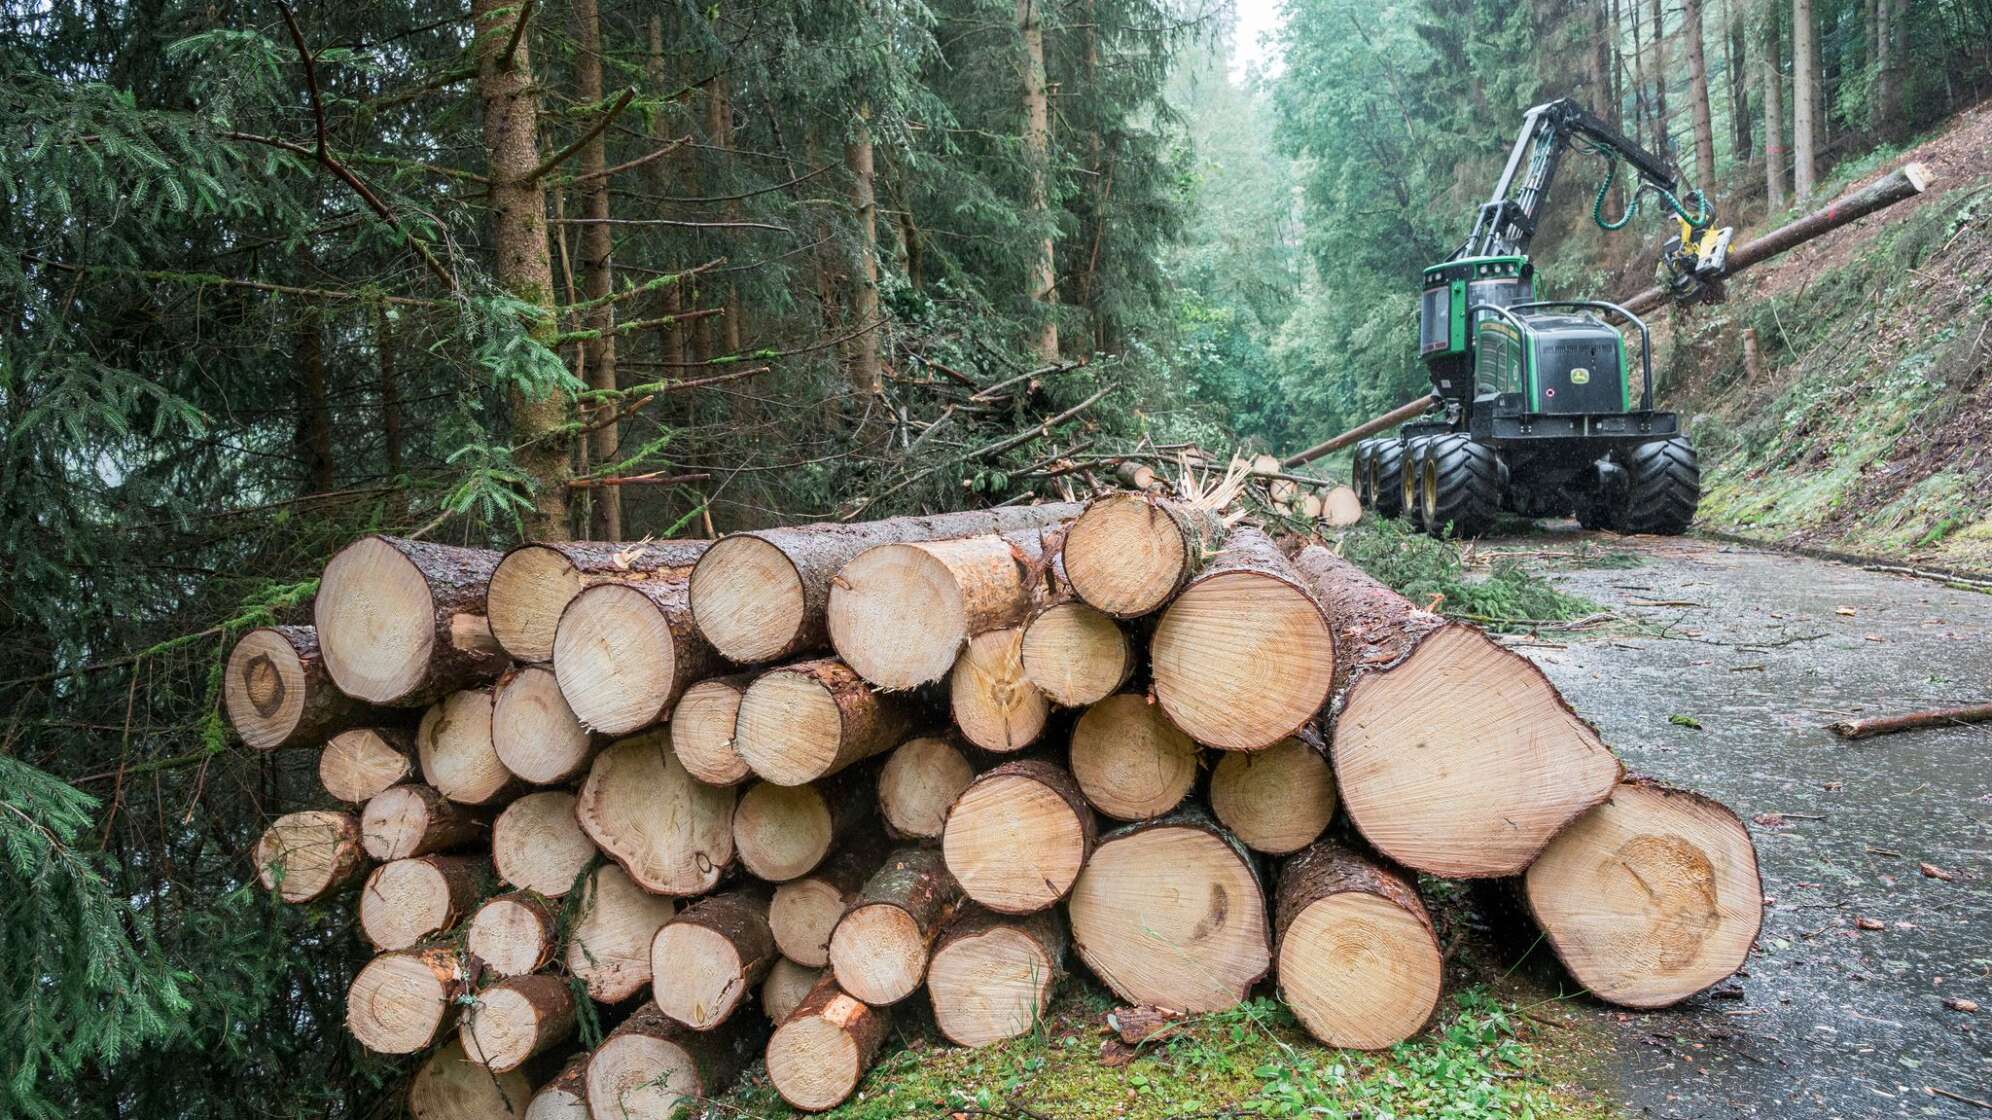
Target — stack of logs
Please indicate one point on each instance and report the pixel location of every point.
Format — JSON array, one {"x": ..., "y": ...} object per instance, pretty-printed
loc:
[{"x": 748, "y": 795}]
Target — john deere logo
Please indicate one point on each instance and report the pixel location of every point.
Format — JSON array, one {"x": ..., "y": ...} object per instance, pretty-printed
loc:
[{"x": 1580, "y": 376}]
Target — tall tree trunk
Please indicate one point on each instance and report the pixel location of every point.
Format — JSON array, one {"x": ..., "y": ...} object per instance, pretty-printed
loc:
[
  {"x": 1805, "y": 100},
  {"x": 1658, "y": 68},
  {"x": 1770, "y": 51},
  {"x": 523, "y": 264},
  {"x": 597, "y": 278},
  {"x": 1639, "y": 100},
  {"x": 1043, "y": 282},
  {"x": 1599, "y": 63},
  {"x": 1698, "y": 95},
  {"x": 719, "y": 127},
  {"x": 314, "y": 419},
  {"x": 390, "y": 390},
  {"x": 864, "y": 293},
  {"x": 674, "y": 341},
  {"x": 1739, "y": 85},
  {"x": 1886, "y": 71}
]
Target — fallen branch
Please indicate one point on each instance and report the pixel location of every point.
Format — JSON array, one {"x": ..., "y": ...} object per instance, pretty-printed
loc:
[{"x": 1912, "y": 721}]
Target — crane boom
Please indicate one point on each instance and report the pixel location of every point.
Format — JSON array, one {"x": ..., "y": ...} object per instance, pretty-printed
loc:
[{"x": 1507, "y": 220}]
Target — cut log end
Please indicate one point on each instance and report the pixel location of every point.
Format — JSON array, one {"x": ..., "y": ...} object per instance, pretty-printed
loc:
[
  {"x": 449, "y": 1086},
  {"x": 818, "y": 1056},
  {"x": 900, "y": 613},
  {"x": 616, "y": 659},
  {"x": 1129, "y": 760},
  {"x": 1018, "y": 837},
  {"x": 702, "y": 731},
  {"x": 566, "y": 1096},
  {"x": 455, "y": 748},
  {"x": 1651, "y": 897},
  {"x": 376, "y": 621},
  {"x": 1359, "y": 962},
  {"x": 919, "y": 783},
  {"x": 1075, "y": 654},
  {"x": 407, "y": 900},
  {"x": 512, "y": 934},
  {"x": 803, "y": 914},
  {"x": 264, "y": 688},
  {"x": 812, "y": 719},
  {"x": 1126, "y": 555},
  {"x": 995, "y": 704},
  {"x": 1242, "y": 659},
  {"x": 705, "y": 962},
  {"x": 786, "y": 985},
  {"x": 515, "y": 1019},
  {"x": 360, "y": 764},
  {"x": 401, "y": 1002},
  {"x": 782, "y": 832},
  {"x": 414, "y": 820},
  {"x": 1278, "y": 800},
  {"x": 528, "y": 590},
  {"x": 305, "y": 856},
  {"x": 537, "y": 844},
  {"x": 879, "y": 953},
  {"x": 672, "y": 834},
  {"x": 533, "y": 732},
  {"x": 609, "y": 945},
  {"x": 650, "y": 1068},
  {"x": 992, "y": 979},
  {"x": 748, "y": 600}
]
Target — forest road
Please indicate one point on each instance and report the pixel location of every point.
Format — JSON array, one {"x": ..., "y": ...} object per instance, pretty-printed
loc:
[{"x": 1763, "y": 650}]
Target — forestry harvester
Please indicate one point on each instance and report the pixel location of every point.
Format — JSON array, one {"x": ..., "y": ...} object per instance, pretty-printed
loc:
[{"x": 1537, "y": 407}]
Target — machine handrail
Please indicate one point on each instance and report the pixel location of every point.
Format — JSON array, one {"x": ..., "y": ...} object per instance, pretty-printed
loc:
[{"x": 1645, "y": 336}]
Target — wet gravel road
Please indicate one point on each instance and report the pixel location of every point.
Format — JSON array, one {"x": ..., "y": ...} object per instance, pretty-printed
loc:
[{"x": 1762, "y": 650}]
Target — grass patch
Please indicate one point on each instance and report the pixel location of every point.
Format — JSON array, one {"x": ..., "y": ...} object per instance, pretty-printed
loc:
[{"x": 1426, "y": 570}]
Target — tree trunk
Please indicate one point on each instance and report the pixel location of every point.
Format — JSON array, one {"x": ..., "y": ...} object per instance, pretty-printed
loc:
[
  {"x": 674, "y": 334},
  {"x": 534, "y": 733},
  {"x": 414, "y": 820},
  {"x": 651, "y": 1068},
  {"x": 1330, "y": 899},
  {"x": 1698, "y": 95},
  {"x": 811, "y": 719},
  {"x": 705, "y": 962},
  {"x": 305, "y": 856},
  {"x": 864, "y": 292},
  {"x": 277, "y": 693},
  {"x": 516, "y": 1019},
  {"x": 1886, "y": 69},
  {"x": 785, "y": 832},
  {"x": 624, "y": 652},
  {"x": 993, "y": 976},
  {"x": 358, "y": 765},
  {"x": 1651, "y": 897},
  {"x": 1961, "y": 716},
  {"x": 597, "y": 276},
  {"x": 1130, "y": 554},
  {"x": 719, "y": 130},
  {"x": 1662, "y": 130},
  {"x": 878, "y": 950},
  {"x": 1769, "y": 67},
  {"x": 390, "y": 392},
  {"x": 1739, "y": 83},
  {"x": 1278, "y": 800},
  {"x": 314, "y": 422},
  {"x": 1453, "y": 755},
  {"x": 1805, "y": 100},
  {"x": 521, "y": 263},
  {"x": 537, "y": 843},
  {"x": 1243, "y": 657},
  {"x": 535, "y": 582},
  {"x": 994, "y": 703},
  {"x": 762, "y": 596},
  {"x": 1043, "y": 276},
  {"x": 804, "y": 911},
  {"x": 402, "y": 1003},
  {"x": 1130, "y": 761},
  {"x": 458, "y": 758},
  {"x": 402, "y": 623},
  {"x": 1018, "y": 836},
  {"x": 1172, "y": 913},
  {"x": 672, "y": 834},
  {"x": 1075, "y": 653},
  {"x": 787, "y": 985},
  {"x": 702, "y": 730},
  {"x": 919, "y": 784},
  {"x": 512, "y": 935},
  {"x": 608, "y": 946},
  {"x": 1641, "y": 105}
]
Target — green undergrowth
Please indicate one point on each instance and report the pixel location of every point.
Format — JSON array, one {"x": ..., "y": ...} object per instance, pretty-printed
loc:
[
  {"x": 1429, "y": 571},
  {"x": 1251, "y": 1061}
]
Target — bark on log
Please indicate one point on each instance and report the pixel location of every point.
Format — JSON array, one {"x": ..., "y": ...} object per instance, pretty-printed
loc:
[
  {"x": 534, "y": 583},
  {"x": 1018, "y": 836},
  {"x": 358, "y": 765},
  {"x": 305, "y": 856},
  {"x": 1130, "y": 762},
  {"x": 1278, "y": 800},
  {"x": 458, "y": 758},
  {"x": 1651, "y": 897},
  {"x": 537, "y": 844},
  {"x": 407, "y": 900},
  {"x": 702, "y": 730},
  {"x": 992, "y": 975},
  {"x": 277, "y": 693},
  {"x": 672, "y": 834},
  {"x": 534, "y": 733},
  {"x": 1243, "y": 657},
  {"x": 1172, "y": 913},
  {"x": 995, "y": 705},
  {"x": 512, "y": 934},
  {"x": 449, "y": 1086},
  {"x": 1452, "y": 755},
  {"x": 919, "y": 783},
  {"x": 786, "y": 986},
  {"x": 625, "y": 652},
  {"x": 1075, "y": 654},
  {"x": 1130, "y": 554},
  {"x": 783, "y": 832},
  {"x": 1912, "y": 721},
  {"x": 879, "y": 949},
  {"x": 414, "y": 820},
  {"x": 401, "y": 1003},
  {"x": 609, "y": 945},
  {"x": 763, "y": 596},
  {"x": 705, "y": 962},
  {"x": 566, "y": 1096},
  {"x": 820, "y": 1053},
  {"x": 809, "y": 720},
  {"x": 805, "y": 911},
  {"x": 402, "y": 623},
  {"x": 1359, "y": 962},
  {"x": 515, "y": 1019},
  {"x": 651, "y": 1068}
]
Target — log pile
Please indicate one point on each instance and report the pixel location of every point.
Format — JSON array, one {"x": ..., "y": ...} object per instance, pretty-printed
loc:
[{"x": 749, "y": 798}]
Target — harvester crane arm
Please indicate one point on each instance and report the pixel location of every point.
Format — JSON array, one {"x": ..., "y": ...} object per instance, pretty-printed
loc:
[{"x": 1508, "y": 218}]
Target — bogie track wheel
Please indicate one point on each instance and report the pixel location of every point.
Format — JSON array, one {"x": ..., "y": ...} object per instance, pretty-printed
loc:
[
  {"x": 1359, "y": 472},
  {"x": 1460, "y": 486},
  {"x": 1386, "y": 466},
  {"x": 1409, "y": 497},
  {"x": 1665, "y": 488}
]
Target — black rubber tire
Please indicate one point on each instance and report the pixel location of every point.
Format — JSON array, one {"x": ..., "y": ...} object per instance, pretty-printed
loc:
[
  {"x": 1595, "y": 512},
  {"x": 1359, "y": 472},
  {"x": 1386, "y": 464},
  {"x": 1666, "y": 487},
  {"x": 1409, "y": 474},
  {"x": 1461, "y": 486}
]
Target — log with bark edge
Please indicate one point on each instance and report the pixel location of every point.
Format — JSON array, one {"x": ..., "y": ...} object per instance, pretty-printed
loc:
[
  {"x": 1129, "y": 554},
  {"x": 449, "y": 1086},
  {"x": 454, "y": 747},
  {"x": 1651, "y": 897},
  {"x": 994, "y": 703},
  {"x": 762, "y": 596},
  {"x": 650, "y": 1068},
  {"x": 702, "y": 730},
  {"x": 900, "y": 613},
  {"x": 512, "y": 934},
  {"x": 1452, "y": 755},
  {"x": 414, "y": 820},
  {"x": 1018, "y": 836},
  {"x": 879, "y": 948},
  {"x": 784, "y": 832},
  {"x": 407, "y": 900},
  {"x": 1171, "y": 913},
  {"x": 786, "y": 986},
  {"x": 277, "y": 693},
  {"x": 359, "y": 764},
  {"x": 674, "y": 835},
  {"x": 625, "y": 652},
  {"x": 537, "y": 843},
  {"x": 808, "y": 720},
  {"x": 821, "y": 1051},
  {"x": 535, "y": 582},
  {"x": 1278, "y": 800},
  {"x": 992, "y": 975},
  {"x": 401, "y": 1003},
  {"x": 1075, "y": 654},
  {"x": 804, "y": 911},
  {"x": 608, "y": 947},
  {"x": 705, "y": 962},
  {"x": 306, "y": 856},
  {"x": 402, "y": 622},
  {"x": 1244, "y": 656},
  {"x": 1130, "y": 762},
  {"x": 534, "y": 733},
  {"x": 1359, "y": 963},
  {"x": 1912, "y": 721},
  {"x": 515, "y": 1019},
  {"x": 918, "y": 784},
  {"x": 1340, "y": 508},
  {"x": 566, "y": 1096}
]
